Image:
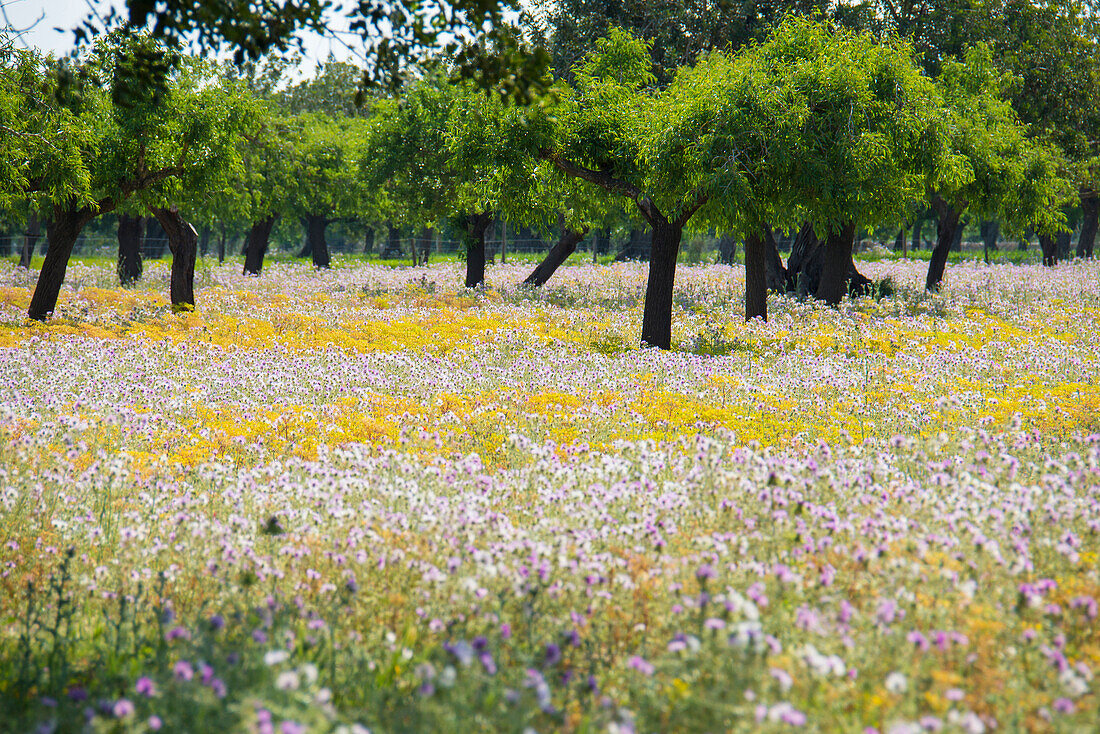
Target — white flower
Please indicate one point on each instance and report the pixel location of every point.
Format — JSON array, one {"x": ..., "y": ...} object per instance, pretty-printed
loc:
[
  {"x": 274, "y": 657},
  {"x": 287, "y": 681},
  {"x": 896, "y": 682}
]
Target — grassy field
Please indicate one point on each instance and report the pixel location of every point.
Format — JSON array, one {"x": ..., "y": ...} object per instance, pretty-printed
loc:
[{"x": 370, "y": 499}]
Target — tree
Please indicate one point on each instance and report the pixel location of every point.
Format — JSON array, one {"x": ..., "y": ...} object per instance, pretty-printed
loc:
[
  {"x": 117, "y": 136},
  {"x": 869, "y": 133},
  {"x": 324, "y": 187},
  {"x": 397, "y": 34},
  {"x": 1005, "y": 175}
]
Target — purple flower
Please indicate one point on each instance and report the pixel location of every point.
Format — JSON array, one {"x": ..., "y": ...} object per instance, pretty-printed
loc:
[
  {"x": 218, "y": 687},
  {"x": 77, "y": 694},
  {"x": 705, "y": 572},
  {"x": 183, "y": 671},
  {"x": 552, "y": 655},
  {"x": 291, "y": 727},
  {"x": 154, "y": 723},
  {"x": 1064, "y": 706},
  {"x": 122, "y": 709},
  {"x": 217, "y": 622},
  {"x": 145, "y": 687},
  {"x": 177, "y": 633},
  {"x": 641, "y": 665}
]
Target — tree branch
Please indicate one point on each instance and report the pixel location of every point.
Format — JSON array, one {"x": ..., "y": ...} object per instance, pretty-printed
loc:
[{"x": 601, "y": 179}]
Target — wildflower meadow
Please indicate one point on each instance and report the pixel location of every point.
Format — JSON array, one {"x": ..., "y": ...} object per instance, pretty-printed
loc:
[{"x": 369, "y": 499}]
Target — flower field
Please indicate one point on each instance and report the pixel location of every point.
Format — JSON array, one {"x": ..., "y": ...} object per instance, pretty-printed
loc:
[{"x": 371, "y": 499}]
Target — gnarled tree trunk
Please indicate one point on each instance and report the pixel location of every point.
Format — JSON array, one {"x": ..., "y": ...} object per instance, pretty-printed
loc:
[
  {"x": 131, "y": 233},
  {"x": 255, "y": 245},
  {"x": 61, "y": 233},
  {"x": 947, "y": 224},
  {"x": 1090, "y": 219},
  {"x": 804, "y": 263},
  {"x": 30, "y": 239},
  {"x": 559, "y": 253},
  {"x": 183, "y": 241},
  {"x": 990, "y": 231},
  {"x": 776, "y": 274},
  {"x": 474, "y": 238},
  {"x": 836, "y": 264},
  {"x": 1048, "y": 243}
]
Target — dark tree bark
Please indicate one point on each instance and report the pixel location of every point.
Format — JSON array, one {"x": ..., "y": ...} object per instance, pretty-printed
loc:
[
  {"x": 990, "y": 231},
  {"x": 756, "y": 278},
  {"x": 636, "y": 247},
  {"x": 804, "y": 263},
  {"x": 204, "y": 240},
  {"x": 773, "y": 264},
  {"x": 474, "y": 239},
  {"x": 5, "y": 245},
  {"x": 1090, "y": 219},
  {"x": 657, "y": 314},
  {"x": 946, "y": 225},
  {"x": 183, "y": 241},
  {"x": 368, "y": 240},
  {"x": 1049, "y": 245},
  {"x": 255, "y": 245},
  {"x": 30, "y": 239},
  {"x": 727, "y": 249},
  {"x": 318, "y": 246},
  {"x": 918, "y": 225},
  {"x": 836, "y": 265},
  {"x": 559, "y": 253},
  {"x": 1062, "y": 242},
  {"x": 131, "y": 233},
  {"x": 221, "y": 246},
  {"x": 899, "y": 241},
  {"x": 66, "y": 225},
  {"x": 956, "y": 244}
]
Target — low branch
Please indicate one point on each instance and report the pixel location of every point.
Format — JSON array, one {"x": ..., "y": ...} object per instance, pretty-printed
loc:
[{"x": 600, "y": 178}]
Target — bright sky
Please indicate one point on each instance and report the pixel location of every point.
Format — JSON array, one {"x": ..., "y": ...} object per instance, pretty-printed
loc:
[{"x": 46, "y": 15}]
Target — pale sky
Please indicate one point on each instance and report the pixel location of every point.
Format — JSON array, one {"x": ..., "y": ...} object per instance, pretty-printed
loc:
[{"x": 67, "y": 14}]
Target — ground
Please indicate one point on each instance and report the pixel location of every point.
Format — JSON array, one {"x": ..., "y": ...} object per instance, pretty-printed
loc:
[{"x": 368, "y": 497}]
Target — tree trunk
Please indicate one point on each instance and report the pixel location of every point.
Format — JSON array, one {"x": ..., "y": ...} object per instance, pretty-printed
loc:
[
  {"x": 918, "y": 225},
  {"x": 773, "y": 264},
  {"x": 956, "y": 244},
  {"x": 1049, "y": 245},
  {"x": 183, "y": 241},
  {"x": 1090, "y": 219},
  {"x": 30, "y": 238},
  {"x": 946, "y": 225},
  {"x": 836, "y": 264},
  {"x": 221, "y": 246},
  {"x": 899, "y": 241},
  {"x": 318, "y": 247},
  {"x": 990, "y": 231},
  {"x": 636, "y": 247},
  {"x": 559, "y": 253},
  {"x": 756, "y": 279},
  {"x": 5, "y": 245},
  {"x": 204, "y": 240},
  {"x": 368, "y": 240},
  {"x": 61, "y": 235},
  {"x": 1062, "y": 244},
  {"x": 255, "y": 245},
  {"x": 504, "y": 242},
  {"x": 474, "y": 238},
  {"x": 422, "y": 245},
  {"x": 131, "y": 233},
  {"x": 727, "y": 249},
  {"x": 803, "y": 265},
  {"x": 657, "y": 314}
]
